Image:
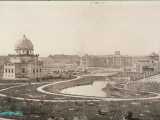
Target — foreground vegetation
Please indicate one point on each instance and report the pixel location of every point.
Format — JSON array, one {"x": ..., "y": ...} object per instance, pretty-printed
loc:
[{"x": 145, "y": 110}]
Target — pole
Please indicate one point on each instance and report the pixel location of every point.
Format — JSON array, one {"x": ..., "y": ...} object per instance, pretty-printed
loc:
[{"x": 37, "y": 67}]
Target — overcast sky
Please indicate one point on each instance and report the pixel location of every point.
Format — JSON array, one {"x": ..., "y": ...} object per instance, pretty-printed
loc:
[{"x": 74, "y": 28}]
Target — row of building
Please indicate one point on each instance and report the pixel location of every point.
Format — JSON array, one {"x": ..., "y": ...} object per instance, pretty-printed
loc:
[
  {"x": 138, "y": 64},
  {"x": 25, "y": 64}
]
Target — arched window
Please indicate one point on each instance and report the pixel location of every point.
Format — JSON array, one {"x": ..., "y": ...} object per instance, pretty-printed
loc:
[
  {"x": 12, "y": 70},
  {"x": 23, "y": 70}
]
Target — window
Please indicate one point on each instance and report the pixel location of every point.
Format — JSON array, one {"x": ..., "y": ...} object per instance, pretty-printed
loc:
[
  {"x": 23, "y": 70},
  {"x": 33, "y": 71},
  {"x": 12, "y": 70},
  {"x": 27, "y": 52},
  {"x": 6, "y": 70}
]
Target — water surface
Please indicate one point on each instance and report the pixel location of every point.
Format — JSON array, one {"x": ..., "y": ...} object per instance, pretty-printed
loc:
[{"x": 93, "y": 89}]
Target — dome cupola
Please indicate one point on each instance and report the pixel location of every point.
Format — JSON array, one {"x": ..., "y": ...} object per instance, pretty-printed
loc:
[{"x": 24, "y": 46}]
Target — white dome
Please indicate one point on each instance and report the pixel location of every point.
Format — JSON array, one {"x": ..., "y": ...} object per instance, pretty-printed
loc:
[{"x": 24, "y": 44}]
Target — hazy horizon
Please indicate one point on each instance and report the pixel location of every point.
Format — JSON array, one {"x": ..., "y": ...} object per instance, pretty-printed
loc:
[{"x": 84, "y": 27}]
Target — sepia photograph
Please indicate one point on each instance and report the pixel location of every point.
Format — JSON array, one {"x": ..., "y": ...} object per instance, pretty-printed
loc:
[{"x": 80, "y": 60}]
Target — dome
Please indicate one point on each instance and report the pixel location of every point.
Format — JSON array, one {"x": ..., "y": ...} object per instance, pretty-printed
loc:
[{"x": 24, "y": 44}]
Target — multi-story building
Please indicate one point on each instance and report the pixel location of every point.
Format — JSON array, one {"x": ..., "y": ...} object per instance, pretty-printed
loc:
[
  {"x": 148, "y": 63},
  {"x": 119, "y": 61},
  {"x": 108, "y": 61},
  {"x": 127, "y": 63},
  {"x": 24, "y": 64}
]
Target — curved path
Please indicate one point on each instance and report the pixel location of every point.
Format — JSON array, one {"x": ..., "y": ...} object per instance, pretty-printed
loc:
[{"x": 41, "y": 89}]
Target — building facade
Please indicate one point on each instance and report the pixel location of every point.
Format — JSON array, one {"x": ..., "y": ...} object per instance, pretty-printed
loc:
[
  {"x": 148, "y": 63},
  {"x": 119, "y": 61},
  {"x": 139, "y": 64},
  {"x": 108, "y": 61},
  {"x": 24, "y": 64}
]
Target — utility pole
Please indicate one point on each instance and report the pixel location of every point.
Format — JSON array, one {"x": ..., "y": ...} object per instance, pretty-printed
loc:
[
  {"x": 37, "y": 67},
  {"x": 36, "y": 70}
]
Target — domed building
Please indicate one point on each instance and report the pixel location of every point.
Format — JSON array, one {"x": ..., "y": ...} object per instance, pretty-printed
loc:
[
  {"x": 24, "y": 64},
  {"x": 24, "y": 47}
]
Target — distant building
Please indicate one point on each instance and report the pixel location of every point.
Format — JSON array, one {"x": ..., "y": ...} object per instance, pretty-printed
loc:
[
  {"x": 116, "y": 60},
  {"x": 65, "y": 59},
  {"x": 24, "y": 64},
  {"x": 119, "y": 61},
  {"x": 148, "y": 63},
  {"x": 126, "y": 63},
  {"x": 57, "y": 64}
]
